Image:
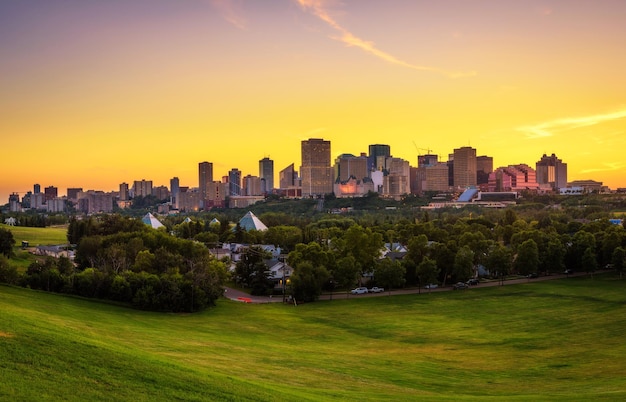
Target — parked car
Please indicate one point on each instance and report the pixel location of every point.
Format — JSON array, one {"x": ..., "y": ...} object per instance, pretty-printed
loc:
[
  {"x": 359, "y": 291},
  {"x": 460, "y": 285},
  {"x": 376, "y": 289},
  {"x": 532, "y": 275},
  {"x": 472, "y": 281},
  {"x": 568, "y": 272},
  {"x": 431, "y": 286}
]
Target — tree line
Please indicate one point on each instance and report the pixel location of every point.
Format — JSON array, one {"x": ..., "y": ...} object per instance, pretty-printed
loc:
[{"x": 121, "y": 258}]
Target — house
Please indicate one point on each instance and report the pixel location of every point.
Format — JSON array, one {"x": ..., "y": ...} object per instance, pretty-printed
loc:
[
  {"x": 56, "y": 251},
  {"x": 279, "y": 272}
]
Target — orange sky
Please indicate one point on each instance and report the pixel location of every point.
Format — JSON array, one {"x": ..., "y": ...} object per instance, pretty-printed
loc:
[{"x": 93, "y": 94}]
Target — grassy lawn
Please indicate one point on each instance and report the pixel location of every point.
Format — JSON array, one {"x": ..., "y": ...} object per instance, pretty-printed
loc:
[
  {"x": 35, "y": 237},
  {"x": 553, "y": 340}
]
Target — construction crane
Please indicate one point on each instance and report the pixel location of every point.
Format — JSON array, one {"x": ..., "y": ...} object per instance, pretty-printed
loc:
[{"x": 428, "y": 151}]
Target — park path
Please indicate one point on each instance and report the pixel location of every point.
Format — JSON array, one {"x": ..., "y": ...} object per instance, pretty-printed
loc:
[{"x": 235, "y": 294}]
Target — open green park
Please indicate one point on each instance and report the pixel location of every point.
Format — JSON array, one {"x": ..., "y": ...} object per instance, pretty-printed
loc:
[
  {"x": 35, "y": 236},
  {"x": 560, "y": 339}
]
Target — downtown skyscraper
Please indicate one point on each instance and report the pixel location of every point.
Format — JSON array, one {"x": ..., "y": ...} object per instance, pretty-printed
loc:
[
  {"x": 316, "y": 171},
  {"x": 205, "y": 178},
  {"x": 266, "y": 173}
]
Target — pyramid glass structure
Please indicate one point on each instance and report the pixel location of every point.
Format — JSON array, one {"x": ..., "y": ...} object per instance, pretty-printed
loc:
[
  {"x": 251, "y": 222},
  {"x": 150, "y": 220}
]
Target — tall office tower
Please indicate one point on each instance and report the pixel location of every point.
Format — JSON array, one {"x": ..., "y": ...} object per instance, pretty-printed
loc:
[
  {"x": 36, "y": 189},
  {"x": 72, "y": 193},
  {"x": 174, "y": 191},
  {"x": 205, "y": 178},
  {"x": 348, "y": 165},
  {"x": 266, "y": 173},
  {"x": 124, "y": 192},
  {"x": 464, "y": 167},
  {"x": 14, "y": 202},
  {"x": 252, "y": 185},
  {"x": 377, "y": 151},
  {"x": 142, "y": 188},
  {"x": 287, "y": 178},
  {"x": 51, "y": 192},
  {"x": 551, "y": 171},
  {"x": 397, "y": 180},
  {"x": 162, "y": 193},
  {"x": 484, "y": 166},
  {"x": 234, "y": 182},
  {"x": 315, "y": 171},
  {"x": 427, "y": 160}
]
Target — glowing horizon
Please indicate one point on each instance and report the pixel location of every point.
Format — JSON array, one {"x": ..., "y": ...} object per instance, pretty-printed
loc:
[{"x": 93, "y": 94}]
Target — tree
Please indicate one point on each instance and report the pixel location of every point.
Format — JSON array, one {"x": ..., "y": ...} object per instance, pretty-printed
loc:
[
  {"x": 464, "y": 264},
  {"x": 144, "y": 262},
  {"x": 313, "y": 252},
  {"x": 589, "y": 261},
  {"x": 417, "y": 250},
  {"x": 427, "y": 271},
  {"x": 364, "y": 245},
  {"x": 618, "y": 260},
  {"x": 8, "y": 273},
  {"x": 346, "y": 273},
  {"x": 581, "y": 241},
  {"x": 527, "y": 259},
  {"x": 499, "y": 261},
  {"x": 389, "y": 274},
  {"x": 251, "y": 271},
  {"x": 284, "y": 236},
  {"x": 6, "y": 242},
  {"x": 552, "y": 260},
  {"x": 307, "y": 281},
  {"x": 444, "y": 254}
]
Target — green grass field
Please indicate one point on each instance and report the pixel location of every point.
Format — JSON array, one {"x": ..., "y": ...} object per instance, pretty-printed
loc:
[
  {"x": 553, "y": 340},
  {"x": 35, "y": 237}
]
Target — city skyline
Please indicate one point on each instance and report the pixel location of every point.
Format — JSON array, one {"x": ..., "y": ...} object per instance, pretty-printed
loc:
[{"x": 93, "y": 94}]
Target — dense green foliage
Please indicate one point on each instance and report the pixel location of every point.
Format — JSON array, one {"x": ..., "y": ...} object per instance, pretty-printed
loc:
[
  {"x": 6, "y": 242},
  {"x": 540, "y": 235},
  {"x": 553, "y": 340},
  {"x": 123, "y": 260}
]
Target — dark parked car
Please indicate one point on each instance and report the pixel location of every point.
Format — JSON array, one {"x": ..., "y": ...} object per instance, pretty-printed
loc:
[
  {"x": 532, "y": 275},
  {"x": 473, "y": 281},
  {"x": 460, "y": 285}
]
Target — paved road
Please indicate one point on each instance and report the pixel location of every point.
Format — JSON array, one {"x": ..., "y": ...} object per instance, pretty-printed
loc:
[{"x": 235, "y": 294}]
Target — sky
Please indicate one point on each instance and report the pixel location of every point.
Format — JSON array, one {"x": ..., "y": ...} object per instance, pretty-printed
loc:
[{"x": 94, "y": 93}]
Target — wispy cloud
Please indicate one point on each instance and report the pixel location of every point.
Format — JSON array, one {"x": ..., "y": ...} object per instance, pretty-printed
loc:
[
  {"x": 608, "y": 166},
  {"x": 320, "y": 9},
  {"x": 549, "y": 128},
  {"x": 231, "y": 11},
  {"x": 315, "y": 131}
]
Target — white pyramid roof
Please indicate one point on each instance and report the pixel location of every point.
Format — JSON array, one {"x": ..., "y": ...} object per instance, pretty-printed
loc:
[
  {"x": 251, "y": 222},
  {"x": 149, "y": 219}
]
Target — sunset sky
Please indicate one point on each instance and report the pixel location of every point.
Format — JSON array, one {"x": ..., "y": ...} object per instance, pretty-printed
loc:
[{"x": 98, "y": 92}]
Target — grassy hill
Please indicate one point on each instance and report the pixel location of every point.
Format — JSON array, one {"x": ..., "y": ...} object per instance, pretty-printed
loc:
[{"x": 553, "y": 340}]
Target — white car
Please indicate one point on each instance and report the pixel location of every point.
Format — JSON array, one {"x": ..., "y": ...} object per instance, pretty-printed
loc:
[
  {"x": 376, "y": 289},
  {"x": 359, "y": 291}
]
